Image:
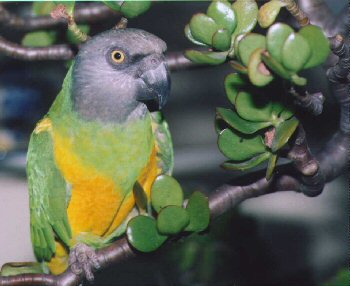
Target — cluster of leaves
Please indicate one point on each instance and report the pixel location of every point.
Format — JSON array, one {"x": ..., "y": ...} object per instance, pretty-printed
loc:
[
  {"x": 256, "y": 129},
  {"x": 129, "y": 9},
  {"x": 164, "y": 215},
  {"x": 260, "y": 123}
]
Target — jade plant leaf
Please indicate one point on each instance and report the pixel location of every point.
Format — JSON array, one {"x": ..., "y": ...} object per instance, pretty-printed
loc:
[
  {"x": 166, "y": 191},
  {"x": 283, "y": 133},
  {"x": 204, "y": 57},
  {"x": 199, "y": 212},
  {"x": 239, "y": 124},
  {"x": 172, "y": 220},
  {"x": 253, "y": 162},
  {"x": 223, "y": 14},
  {"x": 247, "y": 15},
  {"x": 238, "y": 148},
  {"x": 269, "y": 12},
  {"x": 318, "y": 43},
  {"x": 248, "y": 45},
  {"x": 140, "y": 197},
  {"x": 189, "y": 36},
  {"x": 203, "y": 28},
  {"x": 39, "y": 39},
  {"x": 42, "y": 8},
  {"x": 252, "y": 107},
  {"x": 295, "y": 52},
  {"x": 143, "y": 234},
  {"x": 275, "y": 39},
  {"x": 258, "y": 73},
  {"x": 271, "y": 166},
  {"x": 130, "y": 9},
  {"x": 233, "y": 84},
  {"x": 221, "y": 40},
  {"x": 275, "y": 66}
]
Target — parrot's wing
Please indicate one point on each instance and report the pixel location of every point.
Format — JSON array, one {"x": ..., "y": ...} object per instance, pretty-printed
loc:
[
  {"x": 165, "y": 154},
  {"x": 47, "y": 192}
]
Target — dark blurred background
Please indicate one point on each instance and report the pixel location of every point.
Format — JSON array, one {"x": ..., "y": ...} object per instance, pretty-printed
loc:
[{"x": 280, "y": 239}]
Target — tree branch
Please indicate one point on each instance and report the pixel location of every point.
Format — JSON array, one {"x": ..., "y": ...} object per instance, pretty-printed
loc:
[
  {"x": 176, "y": 60},
  {"x": 84, "y": 13},
  {"x": 321, "y": 15}
]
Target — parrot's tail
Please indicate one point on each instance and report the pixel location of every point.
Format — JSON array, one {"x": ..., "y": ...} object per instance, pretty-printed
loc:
[{"x": 16, "y": 268}]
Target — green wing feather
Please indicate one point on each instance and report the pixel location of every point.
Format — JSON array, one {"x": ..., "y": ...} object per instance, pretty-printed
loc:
[
  {"x": 165, "y": 143},
  {"x": 48, "y": 197}
]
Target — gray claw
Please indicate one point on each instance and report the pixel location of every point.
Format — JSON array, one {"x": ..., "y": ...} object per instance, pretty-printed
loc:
[{"x": 83, "y": 259}]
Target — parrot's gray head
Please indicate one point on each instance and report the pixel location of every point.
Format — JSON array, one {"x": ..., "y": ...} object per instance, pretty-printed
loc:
[{"x": 118, "y": 74}]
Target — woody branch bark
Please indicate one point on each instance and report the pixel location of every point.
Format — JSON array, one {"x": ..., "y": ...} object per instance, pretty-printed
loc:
[{"x": 84, "y": 13}]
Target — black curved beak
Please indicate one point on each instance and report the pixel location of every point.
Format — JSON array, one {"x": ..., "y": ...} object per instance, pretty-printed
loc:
[{"x": 157, "y": 81}]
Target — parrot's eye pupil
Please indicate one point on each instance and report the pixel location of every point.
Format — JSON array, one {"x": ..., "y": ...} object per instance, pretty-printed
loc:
[{"x": 118, "y": 56}]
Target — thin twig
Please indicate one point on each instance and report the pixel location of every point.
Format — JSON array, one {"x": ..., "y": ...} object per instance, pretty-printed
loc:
[
  {"x": 321, "y": 15},
  {"x": 313, "y": 102},
  {"x": 296, "y": 12}
]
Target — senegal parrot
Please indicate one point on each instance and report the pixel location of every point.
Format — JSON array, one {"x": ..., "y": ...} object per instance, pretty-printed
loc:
[{"x": 102, "y": 135}]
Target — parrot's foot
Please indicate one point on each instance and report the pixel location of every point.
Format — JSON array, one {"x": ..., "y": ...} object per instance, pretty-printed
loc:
[{"x": 83, "y": 260}]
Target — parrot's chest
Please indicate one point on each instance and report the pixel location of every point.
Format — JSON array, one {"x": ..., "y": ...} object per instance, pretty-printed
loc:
[{"x": 101, "y": 163}]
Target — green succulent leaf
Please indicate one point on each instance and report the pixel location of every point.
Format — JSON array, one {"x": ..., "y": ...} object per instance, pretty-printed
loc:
[
  {"x": 223, "y": 14},
  {"x": 172, "y": 220},
  {"x": 236, "y": 40},
  {"x": 251, "y": 163},
  {"x": 252, "y": 107},
  {"x": 204, "y": 57},
  {"x": 114, "y": 5},
  {"x": 248, "y": 45},
  {"x": 199, "y": 212},
  {"x": 42, "y": 8},
  {"x": 203, "y": 28},
  {"x": 275, "y": 39},
  {"x": 233, "y": 84},
  {"x": 237, "y": 148},
  {"x": 295, "y": 52},
  {"x": 239, "y": 67},
  {"x": 39, "y": 39},
  {"x": 221, "y": 40},
  {"x": 283, "y": 133},
  {"x": 258, "y": 73},
  {"x": 166, "y": 191},
  {"x": 189, "y": 36},
  {"x": 247, "y": 15},
  {"x": 130, "y": 9},
  {"x": 239, "y": 124},
  {"x": 319, "y": 44},
  {"x": 140, "y": 197},
  {"x": 142, "y": 234},
  {"x": 280, "y": 111},
  {"x": 298, "y": 80},
  {"x": 133, "y": 9},
  {"x": 275, "y": 66},
  {"x": 271, "y": 166},
  {"x": 269, "y": 12}
]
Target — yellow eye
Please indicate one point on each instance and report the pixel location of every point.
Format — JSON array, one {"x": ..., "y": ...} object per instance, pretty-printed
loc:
[{"x": 118, "y": 56}]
